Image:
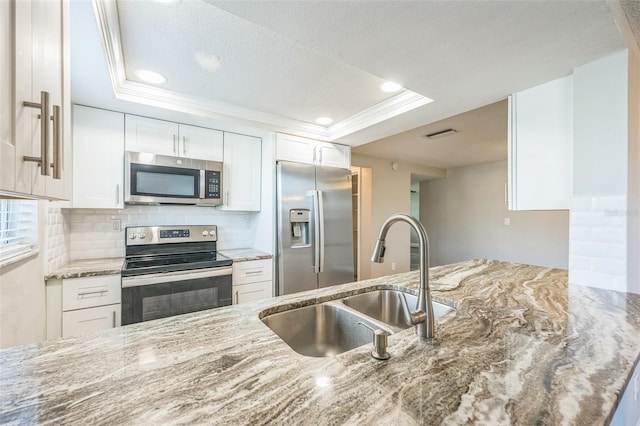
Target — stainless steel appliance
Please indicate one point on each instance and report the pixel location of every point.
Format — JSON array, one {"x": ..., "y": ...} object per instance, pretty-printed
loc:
[
  {"x": 315, "y": 231},
  {"x": 161, "y": 179},
  {"x": 172, "y": 270}
]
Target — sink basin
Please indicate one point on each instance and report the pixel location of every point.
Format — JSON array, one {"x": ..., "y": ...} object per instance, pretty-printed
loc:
[
  {"x": 321, "y": 330},
  {"x": 385, "y": 306}
]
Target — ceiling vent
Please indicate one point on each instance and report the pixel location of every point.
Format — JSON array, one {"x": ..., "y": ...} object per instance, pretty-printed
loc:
[{"x": 441, "y": 133}]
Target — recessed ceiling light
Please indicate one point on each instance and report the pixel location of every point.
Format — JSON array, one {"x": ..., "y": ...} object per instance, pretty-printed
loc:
[
  {"x": 390, "y": 87},
  {"x": 150, "y": 76},
  {"x": 441, "y": 133},
  {"x": 324, "y": 121}
]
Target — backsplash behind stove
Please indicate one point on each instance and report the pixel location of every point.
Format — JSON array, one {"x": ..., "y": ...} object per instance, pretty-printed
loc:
[{"x": 89, "y": 233}]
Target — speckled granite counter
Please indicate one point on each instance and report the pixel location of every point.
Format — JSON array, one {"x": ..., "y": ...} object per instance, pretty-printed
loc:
[
  {"x": 245, "y": 254},
  {"x": 522, "y": 348},
  {"x": 87, "y": 268}
]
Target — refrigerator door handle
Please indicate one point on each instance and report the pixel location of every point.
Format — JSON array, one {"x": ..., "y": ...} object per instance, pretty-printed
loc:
[
  {"x": 316, "y": 231},
  {"x": 321, "y": 220}
]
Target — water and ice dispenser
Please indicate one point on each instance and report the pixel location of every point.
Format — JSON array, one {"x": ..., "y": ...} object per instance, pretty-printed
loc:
[{"x": 299, "y": 219}]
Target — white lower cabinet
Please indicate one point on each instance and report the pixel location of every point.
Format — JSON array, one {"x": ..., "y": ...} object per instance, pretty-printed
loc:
[
  {"x": 78, "y": 306},
  {"x": 252, "y": 280}
]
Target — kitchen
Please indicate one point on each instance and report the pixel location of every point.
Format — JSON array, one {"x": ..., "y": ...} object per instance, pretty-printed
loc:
[{"x": 245, "y": 229}]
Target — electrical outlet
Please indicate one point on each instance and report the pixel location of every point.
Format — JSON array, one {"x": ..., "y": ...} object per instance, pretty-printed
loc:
[
  {"x": 393, "y": 266},
  {"x": 507, "y": 221},
  {"x": 116, "y": 225}
]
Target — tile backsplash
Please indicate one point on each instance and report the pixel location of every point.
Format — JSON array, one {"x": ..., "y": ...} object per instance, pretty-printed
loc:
[
  {"x": 57, "y": 237},
  {"x": 100, "y": 233},
  {"x": 598, "y": 242}
]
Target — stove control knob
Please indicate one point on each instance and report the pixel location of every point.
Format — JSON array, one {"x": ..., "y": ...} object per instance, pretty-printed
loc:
[
  {"x": 142, "y": 236},
  {"x": 212, "y": 233},
  {"x": 132, "y": 236},
  {"x": 205, "y": 233}
]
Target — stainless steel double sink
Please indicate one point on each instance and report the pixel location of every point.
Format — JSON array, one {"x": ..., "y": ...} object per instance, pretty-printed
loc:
[{"x": 330, "y": 328}]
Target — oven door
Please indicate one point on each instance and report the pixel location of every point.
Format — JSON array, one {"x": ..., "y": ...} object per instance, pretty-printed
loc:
[{"x": 148, "y": 297}]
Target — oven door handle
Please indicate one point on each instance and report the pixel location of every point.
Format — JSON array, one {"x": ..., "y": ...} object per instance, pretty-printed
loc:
[{"x": 140, "y": 280}]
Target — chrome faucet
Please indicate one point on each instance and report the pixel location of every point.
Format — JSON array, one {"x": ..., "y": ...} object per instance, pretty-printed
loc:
[{"x": 422, "y": 317}]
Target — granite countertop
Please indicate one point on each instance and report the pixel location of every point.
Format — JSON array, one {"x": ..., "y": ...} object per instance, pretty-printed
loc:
[
  {"x": 87, "y": 268},
  {"x": 94, "y": 267},
  {"x": 245, "y": 254},
  {"x": 523, "y": 347}
]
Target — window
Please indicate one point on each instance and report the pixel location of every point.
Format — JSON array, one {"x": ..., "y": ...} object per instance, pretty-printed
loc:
[{"x": 18, "y": 229}]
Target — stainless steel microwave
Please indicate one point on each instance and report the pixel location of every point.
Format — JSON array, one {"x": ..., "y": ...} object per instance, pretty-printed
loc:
[{"x": 160, "y": 179}]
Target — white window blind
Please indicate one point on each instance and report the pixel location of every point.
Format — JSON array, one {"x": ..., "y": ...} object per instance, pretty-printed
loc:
[{"x": 18, "y": 227}]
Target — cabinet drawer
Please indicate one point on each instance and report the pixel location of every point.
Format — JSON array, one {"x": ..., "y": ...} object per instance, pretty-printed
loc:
[
  {"x": 83, "y": 321},
  {"x": 79, "y": 293},
  {"x": 252, "y": 271}
]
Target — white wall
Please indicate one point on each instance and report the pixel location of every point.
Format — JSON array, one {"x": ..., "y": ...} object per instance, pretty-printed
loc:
[
  {"x": 391, "y": 194},
  {"x": 22, "y": 294},
  {"x": 598, "y": 234},
  {"x": 464, "y": 215}
]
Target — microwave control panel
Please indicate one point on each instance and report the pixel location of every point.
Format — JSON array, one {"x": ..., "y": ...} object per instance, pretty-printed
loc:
[{"x": 212, "y": 184}]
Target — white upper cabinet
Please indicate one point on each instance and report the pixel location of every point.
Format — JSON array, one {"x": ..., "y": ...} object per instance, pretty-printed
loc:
[
  {"x": 34, "y": 93},
  {"x": 242, "y": 172},
  {"x": 202, "y": 143},
  {"x": 540, "y": 146},
  {"x": 309, "y": 151},
  {"x": 168, "y": 138},
  {"x": 98, "y": 158}
]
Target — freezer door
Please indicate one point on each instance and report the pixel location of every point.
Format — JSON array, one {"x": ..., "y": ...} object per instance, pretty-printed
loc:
[
  {"x": 295, "y": 189},
  {"x": 334, "y": 186}
]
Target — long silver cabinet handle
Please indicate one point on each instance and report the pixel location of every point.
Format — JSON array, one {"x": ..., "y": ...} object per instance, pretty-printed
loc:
[
  {"x": 43, "y": 106},
  {"x": 114, "y": 319},
  {"x": 184, "y": 145},
  {"x": 57, "y": 143},
  {"x": 175, "y": 151},
  {"x": 117, "y": 193},
  {"x": 237, "y": 297}
]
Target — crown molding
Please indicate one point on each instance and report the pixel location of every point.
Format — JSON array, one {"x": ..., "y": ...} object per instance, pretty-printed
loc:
[{"x": 106, "y": 12}]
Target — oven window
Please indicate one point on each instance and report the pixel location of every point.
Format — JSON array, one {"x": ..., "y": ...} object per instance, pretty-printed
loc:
[
  {"x": 164, "y": 181},
  {"x": 155, "y": 301}
]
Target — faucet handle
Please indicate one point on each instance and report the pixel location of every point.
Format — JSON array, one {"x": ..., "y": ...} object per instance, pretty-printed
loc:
[
  {"x": 411, "y": 317},
  {"x": 380, "y": 343}
]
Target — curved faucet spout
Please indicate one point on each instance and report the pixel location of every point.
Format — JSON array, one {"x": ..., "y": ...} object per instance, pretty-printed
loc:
[{"x": 422, "y": 317}]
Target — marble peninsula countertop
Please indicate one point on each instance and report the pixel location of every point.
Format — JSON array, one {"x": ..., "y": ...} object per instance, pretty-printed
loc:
[
  {"x": 523, "y": 347},
  {"x": 245, "y": 254}
]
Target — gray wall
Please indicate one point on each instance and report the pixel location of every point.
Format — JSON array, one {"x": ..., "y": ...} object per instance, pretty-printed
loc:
[{"x": 464, "y": 215}]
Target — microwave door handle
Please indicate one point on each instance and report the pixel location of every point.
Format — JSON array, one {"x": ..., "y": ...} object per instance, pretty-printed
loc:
[{"x": 202, "y": 185}]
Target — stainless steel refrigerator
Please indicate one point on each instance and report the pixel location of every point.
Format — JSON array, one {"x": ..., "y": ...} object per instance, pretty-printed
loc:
[{"x": 314, "y": 227}]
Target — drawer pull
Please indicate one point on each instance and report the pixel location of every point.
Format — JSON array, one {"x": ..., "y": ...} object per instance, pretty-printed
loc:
[
  {"x": 87, "y": 293},
  {"x": 254, "y": 272}
]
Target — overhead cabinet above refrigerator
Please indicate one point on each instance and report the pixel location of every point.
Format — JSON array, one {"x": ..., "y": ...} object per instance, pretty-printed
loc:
[{"x": 315, "y": 242}]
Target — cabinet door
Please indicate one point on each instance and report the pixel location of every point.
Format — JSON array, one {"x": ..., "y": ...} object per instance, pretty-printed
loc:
[
  {"x": 334, "y": 155},
  {"x": 149, "y": 135},
  {"x": 540, "y": 143},
  {"x": 41, "y": 43},
  {"x": 251, "y": 292},
  {"x": 200, "y": 143},
  {"x": 98, "y": 158},
  {"x": 90, "y": 320},
  {"x": 242, "y": 172},
  {"x": 7, "y": 140},
  {"x": 295, "y": 148}
]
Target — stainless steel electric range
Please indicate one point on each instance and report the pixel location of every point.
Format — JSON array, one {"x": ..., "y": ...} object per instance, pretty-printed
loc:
[{"x": 172, "y": 270}]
